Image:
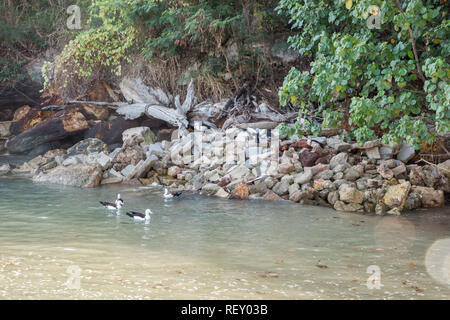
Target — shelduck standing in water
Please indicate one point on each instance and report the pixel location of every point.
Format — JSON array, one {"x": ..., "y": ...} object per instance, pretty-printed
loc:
[
  {"x": 113, "y": 206},
  {"x": 137, "y": 216},
  {"x": 168, "y": 194}
]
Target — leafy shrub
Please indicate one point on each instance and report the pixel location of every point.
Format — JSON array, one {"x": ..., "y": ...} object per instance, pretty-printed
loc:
[{"x": 390, "y": 82}]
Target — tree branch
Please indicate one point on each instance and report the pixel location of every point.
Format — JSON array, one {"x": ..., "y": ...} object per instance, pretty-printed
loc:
[{"x": 413, "y": 42}]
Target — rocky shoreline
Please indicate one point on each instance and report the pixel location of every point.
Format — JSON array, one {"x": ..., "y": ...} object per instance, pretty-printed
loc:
[{"x": 322, "y": 170}]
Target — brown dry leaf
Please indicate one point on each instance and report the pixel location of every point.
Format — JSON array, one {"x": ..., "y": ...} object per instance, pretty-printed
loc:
[
  {"x": 321, "y": 266},
  {"x": 412, "y": 263}
]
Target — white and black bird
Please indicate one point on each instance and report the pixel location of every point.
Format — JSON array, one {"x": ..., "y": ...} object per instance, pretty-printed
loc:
[
  {"x": 113, "y": 206},
  {"x": 168, "y": 194},
  {"x": 137, "y": 216}
]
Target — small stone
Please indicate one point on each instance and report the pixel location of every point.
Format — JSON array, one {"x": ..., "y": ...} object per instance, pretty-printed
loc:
[
  {"x": 238, "y": 172},
  {"x": 5, "y": 169},
  {"x": 351, "y": 174},
  {"x": 373, "y": 153},
  {"x": 210, "y": 188},
  {"x": 286, "y": 168},
  {"x": 413, "y": 201},
  {"x": 326, "y": 175},
  {"x": 339, "y": 159},
  {"x": 281, "y": 188},
  {"x": 240, "y": 192},
  {"x": 380, "y": 209},
  {"x": 173, "y": 171},
  {"x": 333, "y": 197},
  {"x": 112, "y": 180},
  {"x": 386, "y": 153},
  {"x": 270, "y": 182},
  {"x": 399, "y": 170},
  {"x": 128, "y": 169},
  {"x": 293, "y": 188},
  {"x": 337, "y": 144},
  {"x": 270, "y": 195},
  {"x": 221, "y": 193},
  {"x": 259, "y": 187},
  {"x": 303, "y": 177},
  {"x": 318, "y": 184}
]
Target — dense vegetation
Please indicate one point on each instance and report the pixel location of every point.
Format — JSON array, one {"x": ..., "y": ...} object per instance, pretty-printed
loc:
[
  {"x": 27, "y": 29},
  {"x": 390, "y": 82},
  {"x": 201, "y": 30}
]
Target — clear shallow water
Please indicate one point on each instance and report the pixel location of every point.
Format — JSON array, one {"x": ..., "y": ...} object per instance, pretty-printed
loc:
[{"x": 200, "y": 247}]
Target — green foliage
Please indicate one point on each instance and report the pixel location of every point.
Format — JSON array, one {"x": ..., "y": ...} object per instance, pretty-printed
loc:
[
  {"x": 28, "y": 28},
  {"x": 198, "y": 30},
  {"x": 372, "y": 74}
]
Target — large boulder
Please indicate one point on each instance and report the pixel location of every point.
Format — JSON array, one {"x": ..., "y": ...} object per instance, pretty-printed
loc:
[
  {"x": 351, "y": 195},
  {"x": 88, "y": 146},
  {"x": 130, "y": 153},
  {"x": 26, "y": 117},
  {"x": 395, "y": 196},
  {"x": 59, "y": 126},
  {"x": 430, "y": 198},
  {"x": 79, "y": 175},
  {"x": 110, "y": 132}
]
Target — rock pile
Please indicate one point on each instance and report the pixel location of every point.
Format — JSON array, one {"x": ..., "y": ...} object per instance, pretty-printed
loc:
[{"x": 240, "y": 164}]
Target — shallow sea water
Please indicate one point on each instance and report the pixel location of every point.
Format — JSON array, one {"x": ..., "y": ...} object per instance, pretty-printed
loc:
[{"x": 58, "y": 242}]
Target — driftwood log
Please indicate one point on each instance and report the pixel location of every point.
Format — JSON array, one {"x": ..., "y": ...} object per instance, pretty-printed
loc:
[{"x": 154, "y": 103}]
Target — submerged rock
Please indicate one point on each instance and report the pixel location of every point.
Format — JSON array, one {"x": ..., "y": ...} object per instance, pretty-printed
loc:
[
  {"x": 78, "y": 175},
  {"x": 270, "y": 195},
  {"x": 5, "y": 169},
  {"x": 350, "y": 207},
  {"x": 210, "y": 188}
]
